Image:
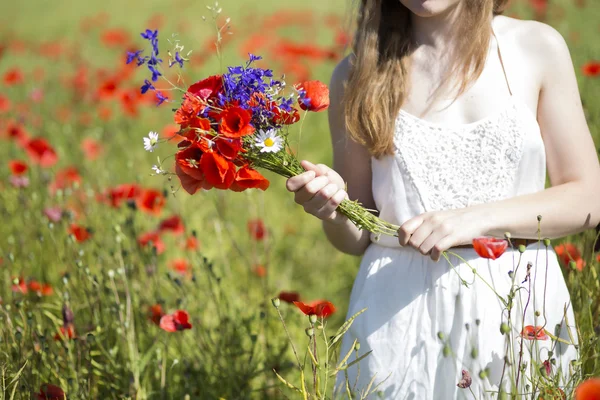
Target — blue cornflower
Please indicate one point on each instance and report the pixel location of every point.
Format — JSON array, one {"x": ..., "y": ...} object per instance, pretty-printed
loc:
[
  {"x": 133, "y": 56},
  {"x": 286, "y": 104},
  {"x": 147, "y": 86}
]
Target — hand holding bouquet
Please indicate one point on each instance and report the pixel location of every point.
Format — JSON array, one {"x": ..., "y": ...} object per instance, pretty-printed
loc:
[{"x": 233, "y": 123}]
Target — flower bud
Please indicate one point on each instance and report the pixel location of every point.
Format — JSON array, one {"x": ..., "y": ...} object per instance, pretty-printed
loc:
[
  {"x": 573, "y": 265},
  {"x": 276, "y": 302},
  {"x": 504, "y": 328},
  {"x": 507, "y": 235},
  {"x": 546, "y": 242},
  {"x": 357, "y": 346},
  {"x": 312, "y": 318},
  {"x": 310, "y": 332},
  {"x": 447, "y": 350},
  {"x": 537, "y": 314},
  {"x": 474, "y": 352},
  {"x": 522, "y": 248},
  {"x": 483, "y": 374},
  {"x": 441, "y": 335},
  {"x": 67, "y": 314},
  {"x": 539, "y": 218}
]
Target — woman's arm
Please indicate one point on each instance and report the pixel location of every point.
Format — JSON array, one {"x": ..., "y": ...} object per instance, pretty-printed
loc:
[
  {"x": 572, "y": 204},
  {"x": 321, "y": 189}
]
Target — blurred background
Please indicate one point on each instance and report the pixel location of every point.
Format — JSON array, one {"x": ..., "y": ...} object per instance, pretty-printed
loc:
[{"x": 91, "y": 242}]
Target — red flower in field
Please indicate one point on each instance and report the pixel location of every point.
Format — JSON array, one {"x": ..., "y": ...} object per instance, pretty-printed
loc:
[
  {"x": 17, "y": 167},
  {"x": 16, "y": 132},
  {"x": 248, "y": 178},
  {"x": 207, "y": 88},
  {"x": 81, "y": 233},
  {"x": 257, "y": 230},
  {"x": 65, "y": 178},
  {"x": 189, "y": 110},
  {"x": 91, "y": 148},
  {"x": 151, "y": 201},
  {"x": 54, "y": 214},
  {"x": 155, "y": 313},
  {"x": 173, "y": 224},
  {"x": 41, "y": 289},
  {"x": 316, "y": 95},
  {"x": 154, "y": 238},
  {"x": 50, "y": 392},
  {"x": 229, "y": 148},
  {"x": 289, "y": 297},
  {"x": 534, "y": 333},
  {"x": 188, "y": 169},
  {"x": 191, "y": 243},
  {"x": 218, "y": 171},
  {"x": 13, "y": 76},
  {"x": 489, "y": 247},
  {"x": 4, "y": 104},
  {"x": 588, "y": 390},
  {"x": 591, "y": 69},
  {"x": 235, "y": 122},
  {"x": 181, "y": 266},
  {"x": 547, "y": 366},
  {"x": 259, "y": 270},
  {"x": 567, "y": 252},
  {"x": 178, "y": 321},
  {"x": 65, "y": 332},
  {"x": 19, "y": 285},
  {"x": 121, "y": 193},
  {"x": 40, "y": 152},
  {"x": 320, "y": 308},
  {"x": 115, "y": 37}
]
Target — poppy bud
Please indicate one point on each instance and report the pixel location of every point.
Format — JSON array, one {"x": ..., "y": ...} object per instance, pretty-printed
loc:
[
  {"x": 357, "y": 346},
  {"x": 67, "y": 315},
  {"x": 447, "y": 350},
  {"x": 483, "y": 374},
  {"x": 309, "y": 332},
  {"x": 546, "y": 242},
  {"x": 507, "y": 235},
  {"x": 537, "y": 313},
  {"x": 276, "y": 302},
  {"x": 539, "y": 218},
  {"x": 474, "y": 352},
  {"x": 522, "y": 248},
  {"x": 504, "y": 328},
  {"x": 573, "y": 265},
  {"x": 441, "y": 335},
  {"x": 312, "y": 318}
]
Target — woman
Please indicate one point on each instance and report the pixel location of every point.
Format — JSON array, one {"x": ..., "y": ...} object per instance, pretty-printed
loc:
[{"x": 444, "y": 119}]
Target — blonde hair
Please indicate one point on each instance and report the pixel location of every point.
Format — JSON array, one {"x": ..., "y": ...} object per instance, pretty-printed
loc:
[{"x": 377, "y": 82}]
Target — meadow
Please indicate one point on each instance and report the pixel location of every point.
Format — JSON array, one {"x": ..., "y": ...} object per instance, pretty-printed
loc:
[{"x": 95, "y": 249}]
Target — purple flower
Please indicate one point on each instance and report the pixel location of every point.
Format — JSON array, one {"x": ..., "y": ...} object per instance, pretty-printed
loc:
[
  {"x": 178, "y": 60},
  {"x": 147, "y": 86},
  {"x": 160, "y": 98},
  {"x": 155, "y": 73},
  {"x": 134, "y": 56}
]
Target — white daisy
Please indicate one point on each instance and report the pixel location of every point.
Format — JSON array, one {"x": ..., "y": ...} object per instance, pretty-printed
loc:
[
  {"x": 151, "y": 141},
  {"x": 268, "y": 141}
]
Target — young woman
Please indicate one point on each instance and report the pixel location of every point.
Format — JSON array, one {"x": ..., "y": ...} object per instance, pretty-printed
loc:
[{"x": 445, "y": 118}]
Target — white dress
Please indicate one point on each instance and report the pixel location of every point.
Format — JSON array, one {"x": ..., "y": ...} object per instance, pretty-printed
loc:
[{"x": 410, "y": 298}]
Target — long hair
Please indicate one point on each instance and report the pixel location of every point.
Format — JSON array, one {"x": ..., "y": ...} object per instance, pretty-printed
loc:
[{"x": 378, "y": 80}]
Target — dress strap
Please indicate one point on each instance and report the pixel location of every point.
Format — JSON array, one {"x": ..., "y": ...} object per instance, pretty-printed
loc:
[{"x": 501, "y": 62}]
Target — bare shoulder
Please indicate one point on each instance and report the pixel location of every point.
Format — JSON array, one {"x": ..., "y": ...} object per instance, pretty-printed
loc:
[
  {"x": 538, "y": 44},
  {"x": 340, "y": 75}
]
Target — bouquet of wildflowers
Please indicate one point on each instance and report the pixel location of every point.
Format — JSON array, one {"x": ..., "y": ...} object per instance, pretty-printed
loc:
[{"x": 233, "y": 123}]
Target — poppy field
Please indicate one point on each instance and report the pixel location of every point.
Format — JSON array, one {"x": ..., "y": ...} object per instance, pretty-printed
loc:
[{"x": 116, "y": 282}]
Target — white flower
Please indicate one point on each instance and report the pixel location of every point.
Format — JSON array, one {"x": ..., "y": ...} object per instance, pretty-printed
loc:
[
  {"x": 268, "y": 141},
  {"x": 157, "y": 169},
  {"x": 151, "y": 141}
]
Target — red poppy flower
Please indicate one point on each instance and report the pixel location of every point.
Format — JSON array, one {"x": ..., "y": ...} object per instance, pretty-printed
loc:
[
  {"x": 567, "y": 252},
  {"x": 4, "y": 104},
  {"x": 257, "y": 230},
  {"x": 40, "y": 152},
  {"x": 207, "y": 88},
  {"x": 282, "y": 117},
  {"x": 320, "y": 308},
  {"x": 588, "y": 390},
  {"x": 194, "y": 128},
  {"x": 124, "y": 192},
  {"x": 41, "y": 289},
  {"x": 181, "y": 266},
  {"x": 289, "y": 297},
  {"x": 188, "y": 169},
  {"x": 13, "y": 76},
  {"x": 248, "y": 178},
  {"x": 19, "y": 285},
  {"x": 178, "y": 321},
  {"x": 189, "y": 110},
  {"x": 316, "y": 96},
  {"x": 534, "y": 333},
  {"x": 50, "y": 392},
  {"x": 259, "y": 270},
  {"x": 218, "y": 171},
  {"x": 151, "y": 201},
  {"x": 173, "y": 224},
  {"x": 155, "y": 313},
  {"x": 115, "y": 37},
  {"x": 235, "y": 122},
  {"x": 65, "y": 332},
  {"x": 191, "y": 243},
  {"x": 17, "y": 167},
  {"x": 81, "y": 233},
  {"x": 489, "y": 247},
  {"x": 16, "y": 132},
  {"x": 91, "y": 148},
  {"x": 229, "y": 148},
  {"x": 154, "y": 238},
  {"x": 65, "y": 178}
]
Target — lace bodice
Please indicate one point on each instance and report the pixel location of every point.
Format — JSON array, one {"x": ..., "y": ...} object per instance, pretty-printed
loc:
[{"x": 439, "y": 167}]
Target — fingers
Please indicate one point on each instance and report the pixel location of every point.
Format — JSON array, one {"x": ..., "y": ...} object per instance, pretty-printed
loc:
[
  {"x": 295, "y": 183},
  {"x": 310, "y": 190},
  {"x": 320, "y": 199}
]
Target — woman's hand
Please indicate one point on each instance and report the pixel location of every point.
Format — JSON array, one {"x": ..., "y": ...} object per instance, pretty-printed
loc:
[
  {"x": 320, "y": 190},
  {"x": 435, "y": 232}
]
